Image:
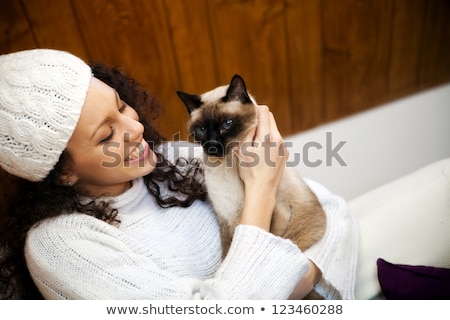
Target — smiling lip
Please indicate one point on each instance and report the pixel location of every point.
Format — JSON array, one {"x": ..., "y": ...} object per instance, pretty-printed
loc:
[{"x": 143, "y": 154}]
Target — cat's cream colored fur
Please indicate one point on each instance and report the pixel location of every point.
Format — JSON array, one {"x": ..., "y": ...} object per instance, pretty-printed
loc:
[{"x": 297, "y": 216}]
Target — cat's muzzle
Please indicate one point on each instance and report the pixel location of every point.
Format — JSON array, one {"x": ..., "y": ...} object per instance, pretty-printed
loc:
[{"x": 214, "y": 148}]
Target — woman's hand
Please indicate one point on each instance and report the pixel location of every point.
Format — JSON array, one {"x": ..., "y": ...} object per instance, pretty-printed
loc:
[
  {"x": 262, "y": 159},
  {"x": 306, "y": 284}
]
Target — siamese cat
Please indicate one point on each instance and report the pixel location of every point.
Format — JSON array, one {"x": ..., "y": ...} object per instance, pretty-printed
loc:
[{"x": 219, "y": 121}]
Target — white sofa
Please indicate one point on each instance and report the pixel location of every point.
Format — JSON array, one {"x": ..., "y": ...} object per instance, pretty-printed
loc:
[
  {"x": 406, "y": 221},
  {"x": 392, "y": 165}
]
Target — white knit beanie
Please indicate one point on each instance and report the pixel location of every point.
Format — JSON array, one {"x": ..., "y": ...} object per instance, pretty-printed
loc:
[{"x": 42, "y": 93}]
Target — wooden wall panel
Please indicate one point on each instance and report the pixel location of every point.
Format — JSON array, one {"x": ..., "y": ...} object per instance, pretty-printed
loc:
[
  {"x": 406, "y": 50},
  {"x": 134, "y": 35},
  {"x": 194, "y": 51},
  {"x": 435, "y": 63},
  {"x": 16, "y": 33},
  {"x": 193, "y": 44},
  {"x": 250, "y": 39},
  {"x": 310, "y": 61},
  {"x": 306, "y": 71},
  {"x": 55, "y": 26},
  {"x": 356, "y": 54}
]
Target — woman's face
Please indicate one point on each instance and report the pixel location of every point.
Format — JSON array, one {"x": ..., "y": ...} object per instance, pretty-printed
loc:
[{"x": 107, "y": 146}]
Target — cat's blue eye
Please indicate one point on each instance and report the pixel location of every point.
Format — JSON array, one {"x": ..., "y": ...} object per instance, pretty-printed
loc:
[
  {"x": 227, "y": 124},
  {"x": 200, "y": 133}
]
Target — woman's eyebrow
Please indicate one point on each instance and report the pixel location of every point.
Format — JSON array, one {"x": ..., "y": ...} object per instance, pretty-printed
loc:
[
  {"x": 99, "y": 126},
  {"x": 118, "y": 102}
]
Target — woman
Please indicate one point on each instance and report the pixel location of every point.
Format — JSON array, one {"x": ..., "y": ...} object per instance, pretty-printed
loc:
[{"x": 107, "y": 214}]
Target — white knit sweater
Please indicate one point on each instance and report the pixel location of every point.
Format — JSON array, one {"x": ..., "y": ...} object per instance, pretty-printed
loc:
[{"x": 175, "y": 253}]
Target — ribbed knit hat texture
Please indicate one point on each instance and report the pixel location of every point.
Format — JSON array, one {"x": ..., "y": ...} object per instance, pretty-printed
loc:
[{"x": 42, "y": 92}]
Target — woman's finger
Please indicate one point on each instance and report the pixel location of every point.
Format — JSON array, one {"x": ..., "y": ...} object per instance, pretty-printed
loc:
[
  {"x": 263, "y": 128},
  {"x": 277, "y": 138},
  {"x": 276, "y": 135}
]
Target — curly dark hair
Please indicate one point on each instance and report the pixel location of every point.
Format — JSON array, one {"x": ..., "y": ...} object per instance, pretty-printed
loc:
[{"x": 50, "y": 197}]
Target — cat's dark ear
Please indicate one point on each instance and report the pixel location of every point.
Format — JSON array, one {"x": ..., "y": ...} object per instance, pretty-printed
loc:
[
  {"x": 191, "y": 101},
  {"x": 237, "y": 90}
]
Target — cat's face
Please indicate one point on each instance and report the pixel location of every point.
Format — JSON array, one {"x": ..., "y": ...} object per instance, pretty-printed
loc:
[{"x": 221, "y": 118}]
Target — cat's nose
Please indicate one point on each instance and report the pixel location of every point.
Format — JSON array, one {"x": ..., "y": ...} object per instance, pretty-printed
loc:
[{"x": 214, "y": 148}]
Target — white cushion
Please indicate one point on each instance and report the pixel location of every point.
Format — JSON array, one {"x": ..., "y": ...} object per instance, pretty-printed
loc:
[{"x": 406, "y": 221}]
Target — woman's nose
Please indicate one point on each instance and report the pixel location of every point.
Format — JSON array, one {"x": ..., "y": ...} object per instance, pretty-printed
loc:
[{"x": 132, "y": 130}]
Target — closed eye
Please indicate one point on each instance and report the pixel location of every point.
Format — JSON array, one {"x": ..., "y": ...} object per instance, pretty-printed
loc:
[
  {"x": 109, "y": 137},
  {"x": 123, "y": 107}
]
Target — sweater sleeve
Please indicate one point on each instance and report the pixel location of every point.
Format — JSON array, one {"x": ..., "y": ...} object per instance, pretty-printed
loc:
[
  {"x": 259, "y": 265},
  {"x": 336, "y": 253},
  {"x": 80, "y": 257}
]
